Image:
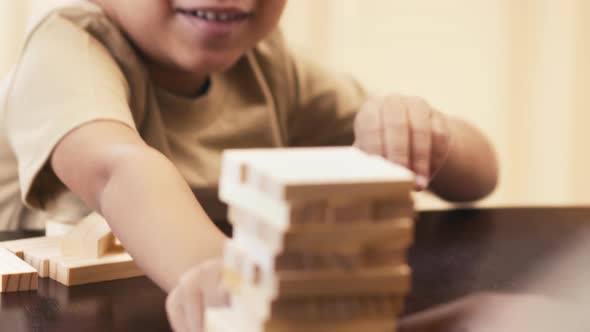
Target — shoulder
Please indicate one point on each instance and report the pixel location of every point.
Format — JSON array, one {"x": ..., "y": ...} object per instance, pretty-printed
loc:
[
  {"x": 65, "y": 44},
  {"x": 81, "y": 28},
  {"x": 71, "y": 20}
]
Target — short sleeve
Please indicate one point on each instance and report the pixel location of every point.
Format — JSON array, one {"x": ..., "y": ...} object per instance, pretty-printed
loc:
[
  {"x": 65, "y": 78},
  {"x": 326, "y": 103}
]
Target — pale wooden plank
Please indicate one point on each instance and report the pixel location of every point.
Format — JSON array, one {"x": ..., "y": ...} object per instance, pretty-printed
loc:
[
  {"x": 17, "y": 247},
  {"x": 16, "y": 274},
  {"x": 329, "y": 308},
  {"x": 312, "y": 173},
  {"x": 76, "y": 271},
  {"x": 226, "y": 320},
  {"x": 395, "y": 281},
  {"x": 376, "y": 281},
  {"x": 350, "y": 240},
  {"x": 281, "y": 214},
  {"x": 90, "y": 238},
  {"x": 54, "y": 228},
  {"x": 39, "y": 257}
]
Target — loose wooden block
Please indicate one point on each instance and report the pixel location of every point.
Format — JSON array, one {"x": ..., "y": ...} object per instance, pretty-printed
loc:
[
  {"x": 54, "y": 228},
  {"x": 15, "y": 274},
  {"x": 72, "y": 271},
  {"x": 18, "y": 247},
  {"x": 314, "y": 173},
  {"x": 91, "y": 238},
  {"x": 39, "y": 257}
]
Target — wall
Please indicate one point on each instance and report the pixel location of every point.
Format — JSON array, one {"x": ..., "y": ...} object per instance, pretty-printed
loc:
[{"x": 519, "y": 70}]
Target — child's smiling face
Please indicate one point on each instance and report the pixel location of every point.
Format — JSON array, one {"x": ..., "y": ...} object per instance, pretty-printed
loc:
[{"x": 195, "y": 36}]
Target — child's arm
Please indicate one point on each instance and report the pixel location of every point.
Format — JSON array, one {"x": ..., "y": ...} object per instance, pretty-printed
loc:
[
  {"x": 448, "y": 155},
  {"x": 143, "y": 197},
  {"x": 470, "y": 171}
]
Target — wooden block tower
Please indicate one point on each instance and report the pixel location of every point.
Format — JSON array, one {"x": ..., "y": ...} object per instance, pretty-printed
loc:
[{"x": 320, "y": 236}]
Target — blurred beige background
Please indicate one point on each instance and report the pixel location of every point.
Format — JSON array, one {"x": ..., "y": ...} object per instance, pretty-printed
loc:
[{"x": 520, "y": 70}]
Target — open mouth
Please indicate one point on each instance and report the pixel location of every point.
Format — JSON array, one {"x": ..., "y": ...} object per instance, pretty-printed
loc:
[{"x": 221, "y": 16}]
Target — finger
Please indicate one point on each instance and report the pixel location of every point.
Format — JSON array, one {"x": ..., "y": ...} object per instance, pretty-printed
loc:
[
  {"x": 441, "y": 141},
  {"x": 420, "y": 139},
  {"x": 396, "y": 139},
  {"x": 195, "y": 311},
  {"x": 175, "y": 311},
  {"x": 368, "y": 128},
  {"x": 214, "y": 295},
  {"x": 445, "y": 318}
]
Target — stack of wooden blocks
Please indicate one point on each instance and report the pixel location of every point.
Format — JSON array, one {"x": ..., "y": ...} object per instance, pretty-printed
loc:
[
  {"x": 320, "y": 240},
  {"x": 87, "y": 253}
]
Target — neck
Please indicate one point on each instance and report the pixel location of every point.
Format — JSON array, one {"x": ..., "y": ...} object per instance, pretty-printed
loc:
[{"x": 178, "y": 82}]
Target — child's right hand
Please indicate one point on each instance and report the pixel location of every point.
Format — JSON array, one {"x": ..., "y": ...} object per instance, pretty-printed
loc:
[{"x": 198, "y": 289}]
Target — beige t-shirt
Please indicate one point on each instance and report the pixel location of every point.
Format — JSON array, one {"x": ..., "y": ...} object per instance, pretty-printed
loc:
[{"x": 77, "y": 67}]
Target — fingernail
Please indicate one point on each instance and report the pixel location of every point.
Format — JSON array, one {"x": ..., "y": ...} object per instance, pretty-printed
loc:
[{"x": 421, "y": 182}]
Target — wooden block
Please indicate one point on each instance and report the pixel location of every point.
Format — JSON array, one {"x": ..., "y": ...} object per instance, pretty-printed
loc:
[
  {"x": 292, "y": 261},
  {"x": 18, "y": 247},
  {"x": 54, "y": 228},
  {"x": 91, "y": 238},
  {"x": 276, "y": 212},
  {"x": 40, "y": 257},
  {"x": 317, "y": 239},
  {"x": 388, "y": 280},
  {"x": 227, "y": 320},
  {"x": 281, "y": 215},
  {"x": 220, "y": 320},
  {"x": 341, "y": 325},
  {"x": 376, "y": 281},
  {"x": 384, "y": 210},
  {"x": 256, "y": 266},
  {"x": 72, "y": 271},
  {"x": 316, "y": 309},
  {"x": 15, "y": 274},
  {"x": 314, "y": 173},
  {"x": 309, "y": 212}
]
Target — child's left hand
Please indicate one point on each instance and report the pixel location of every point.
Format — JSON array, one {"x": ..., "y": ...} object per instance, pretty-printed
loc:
[{"x": 406, "y": 131}]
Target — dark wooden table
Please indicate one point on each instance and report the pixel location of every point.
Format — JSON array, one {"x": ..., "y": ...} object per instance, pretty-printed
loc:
[{"x": 456, "y": 253}]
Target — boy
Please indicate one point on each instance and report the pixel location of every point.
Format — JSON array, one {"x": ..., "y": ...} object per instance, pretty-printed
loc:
[{"x": 123, "y": 107}]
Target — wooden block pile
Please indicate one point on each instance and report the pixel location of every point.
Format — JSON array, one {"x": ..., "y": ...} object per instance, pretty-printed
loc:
[
  {"x": 319, "y": 243},
  {"x": 15, "y": 275},
  {"x": 87, "y": 253}
]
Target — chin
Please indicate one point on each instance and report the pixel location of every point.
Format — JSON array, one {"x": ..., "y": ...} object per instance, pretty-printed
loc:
[{"x": 214, "y": 63}]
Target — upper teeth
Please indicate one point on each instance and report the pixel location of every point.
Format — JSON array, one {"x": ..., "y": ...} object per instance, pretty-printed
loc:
[{"x": 213, "y": 16}]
